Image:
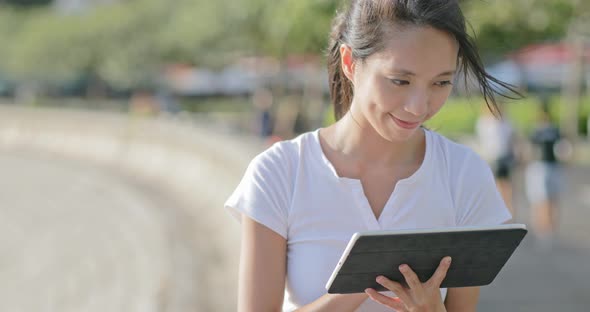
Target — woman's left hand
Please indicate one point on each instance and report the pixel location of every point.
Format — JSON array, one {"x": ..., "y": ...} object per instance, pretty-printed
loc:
[{"x": 419, "y": 297}]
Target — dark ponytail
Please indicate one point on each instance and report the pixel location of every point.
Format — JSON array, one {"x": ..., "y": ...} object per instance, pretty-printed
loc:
[{"x": 340, "y": 86}]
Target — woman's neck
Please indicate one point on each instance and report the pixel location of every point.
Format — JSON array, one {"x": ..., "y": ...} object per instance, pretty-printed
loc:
[{"x": 358, "y": 141}]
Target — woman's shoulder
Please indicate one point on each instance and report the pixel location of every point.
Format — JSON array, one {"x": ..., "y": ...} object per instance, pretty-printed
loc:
[
  {"x": 284, "y": 154},
  {"x": 468, "y": 175},
  {"x": 291, "y": 146},
  {"x": 458, "y": 156}
]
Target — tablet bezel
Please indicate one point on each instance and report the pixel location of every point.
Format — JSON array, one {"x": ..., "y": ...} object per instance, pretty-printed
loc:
[{"x": 352, "y": 242}]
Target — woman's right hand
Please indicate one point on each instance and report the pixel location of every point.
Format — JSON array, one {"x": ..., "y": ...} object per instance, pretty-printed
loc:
[{"x": 419, "y": 297}]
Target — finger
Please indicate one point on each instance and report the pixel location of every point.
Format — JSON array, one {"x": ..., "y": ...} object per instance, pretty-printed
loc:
[
  {"x": 395, "y": 303},
  {"x": 397, "y": 288},
  {"x": 412, "y": 279},
  {"x": 441, "y": 272}
]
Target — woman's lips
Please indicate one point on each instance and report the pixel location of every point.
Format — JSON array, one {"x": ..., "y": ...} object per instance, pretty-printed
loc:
[{"x": 405, "y": 124}]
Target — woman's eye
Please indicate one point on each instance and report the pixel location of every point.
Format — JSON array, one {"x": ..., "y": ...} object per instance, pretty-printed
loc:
[
  {"x": 399, "y": 82},
  {"x": 444, "y": 83}
]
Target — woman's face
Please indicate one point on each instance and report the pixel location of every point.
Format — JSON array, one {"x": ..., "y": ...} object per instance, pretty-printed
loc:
[{"x": 406, "y": 83}]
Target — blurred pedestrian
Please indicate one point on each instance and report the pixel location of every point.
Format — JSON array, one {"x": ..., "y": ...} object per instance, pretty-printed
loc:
[
  {"x": 496, "y": 138},
  {"x": 262, "y": 99},
  {"x": 143, "y": 103},
  {"x": 543, "y": 177}
]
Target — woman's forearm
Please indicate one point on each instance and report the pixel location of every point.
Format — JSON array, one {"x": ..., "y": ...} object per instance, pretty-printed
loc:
[{"x": 462, "y": 299}]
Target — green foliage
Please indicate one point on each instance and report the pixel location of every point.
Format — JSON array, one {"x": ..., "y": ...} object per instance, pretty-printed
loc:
[
  {"x": 304, "y": 31},
  {"x": 25, "y": 3},
  {"x": 124, "y": 44},
  {"x": 127, "y": 42},
  {"x": 505, "y": 25},
  {"x": 458, "y": 116},
  {"x": 47, "y": 46}
]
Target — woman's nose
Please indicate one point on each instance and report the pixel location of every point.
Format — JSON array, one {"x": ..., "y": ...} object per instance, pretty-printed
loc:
[{"x": 417, "y": 103}]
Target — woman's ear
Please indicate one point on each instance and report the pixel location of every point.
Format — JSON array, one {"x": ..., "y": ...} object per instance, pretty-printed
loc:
[{"x": 347, "y": 62}]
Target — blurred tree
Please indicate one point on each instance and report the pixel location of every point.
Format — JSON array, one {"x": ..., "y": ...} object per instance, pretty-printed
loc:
[
  {"x": 127, "y": 42},
  {"x": 198, "y": 32},
  {"x": 505, "y": 25},
  {"x": 293, "y": 26},
  {"x": 281, "y": 29},
  {"x": 25, "y": 3},
  {"x": 123, "y": 44},
  {"x": 302, "y": 26}
]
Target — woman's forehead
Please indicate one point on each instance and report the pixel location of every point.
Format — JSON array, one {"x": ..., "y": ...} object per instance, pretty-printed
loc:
[{"x": 418, "y": 50}]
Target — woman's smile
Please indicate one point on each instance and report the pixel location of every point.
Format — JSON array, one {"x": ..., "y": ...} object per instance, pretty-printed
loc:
[{"x": 405, "y": 124}]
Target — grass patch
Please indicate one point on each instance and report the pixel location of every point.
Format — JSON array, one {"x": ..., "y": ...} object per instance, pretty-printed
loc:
[{"x": 459, "y": 115}]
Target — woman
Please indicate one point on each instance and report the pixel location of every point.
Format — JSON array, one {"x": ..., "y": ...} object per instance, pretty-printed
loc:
[{"x": 391, "y": 68}]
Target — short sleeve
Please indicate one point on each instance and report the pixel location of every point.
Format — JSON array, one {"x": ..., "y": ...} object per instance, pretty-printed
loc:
[
  {"x": 263, "y": 192},
  {"x": 477, "y": 198}
]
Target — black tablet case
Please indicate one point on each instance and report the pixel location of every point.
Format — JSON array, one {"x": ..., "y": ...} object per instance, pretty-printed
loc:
[{"x": 477, "y": 256}]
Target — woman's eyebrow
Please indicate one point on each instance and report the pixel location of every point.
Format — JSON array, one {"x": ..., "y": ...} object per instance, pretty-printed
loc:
[
  {"x": 447, "y": 73},
  {"x": 406, "y": 72}
]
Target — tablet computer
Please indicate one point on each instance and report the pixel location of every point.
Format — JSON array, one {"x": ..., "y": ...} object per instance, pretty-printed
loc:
[{"x": 478, "y": 254}]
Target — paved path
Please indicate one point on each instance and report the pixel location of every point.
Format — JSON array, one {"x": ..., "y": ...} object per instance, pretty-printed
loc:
[
  {"x": 558, "y": 279},
  {"x": 74, "y": 238}
]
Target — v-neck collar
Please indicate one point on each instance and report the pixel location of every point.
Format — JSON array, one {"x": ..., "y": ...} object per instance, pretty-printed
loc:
[{"x": 356, "y": 187}]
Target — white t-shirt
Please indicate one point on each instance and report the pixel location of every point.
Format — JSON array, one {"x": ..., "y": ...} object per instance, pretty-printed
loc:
[{"x": 293, "y": 189}]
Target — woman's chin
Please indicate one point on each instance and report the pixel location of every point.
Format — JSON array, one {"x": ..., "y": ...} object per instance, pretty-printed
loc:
[{"x": 401, "y": 135}]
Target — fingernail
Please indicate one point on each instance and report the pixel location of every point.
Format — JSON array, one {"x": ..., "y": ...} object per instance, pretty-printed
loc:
[
  {"x": 402, "y": 267},
  {"x": 448, "y": 260},
  {"x": 379, "y": 279}
]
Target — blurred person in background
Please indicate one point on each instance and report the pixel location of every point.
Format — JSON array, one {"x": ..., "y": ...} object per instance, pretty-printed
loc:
[
  {"x": 496, "y": 138},
  {"x": 143, "y": 103},
  {"x": 391, "y": 67},
  {"x": 265, "y": 118},
  {"x": 262, "y": 100},
  {"x": 543, "y": 177}
]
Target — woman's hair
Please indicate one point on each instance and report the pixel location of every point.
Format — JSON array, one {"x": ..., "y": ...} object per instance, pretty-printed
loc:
[{"x": 365, "y": 23}]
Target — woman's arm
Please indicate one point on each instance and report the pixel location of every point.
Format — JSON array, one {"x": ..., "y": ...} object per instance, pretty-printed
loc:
[
  {"x": 261, "y": 284},
  {"x": 462, "y": 299},
  {"x": 263, "y": 259}
]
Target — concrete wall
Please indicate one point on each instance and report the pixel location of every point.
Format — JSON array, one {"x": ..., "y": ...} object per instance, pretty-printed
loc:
[{"x": 196, "y": 163}]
